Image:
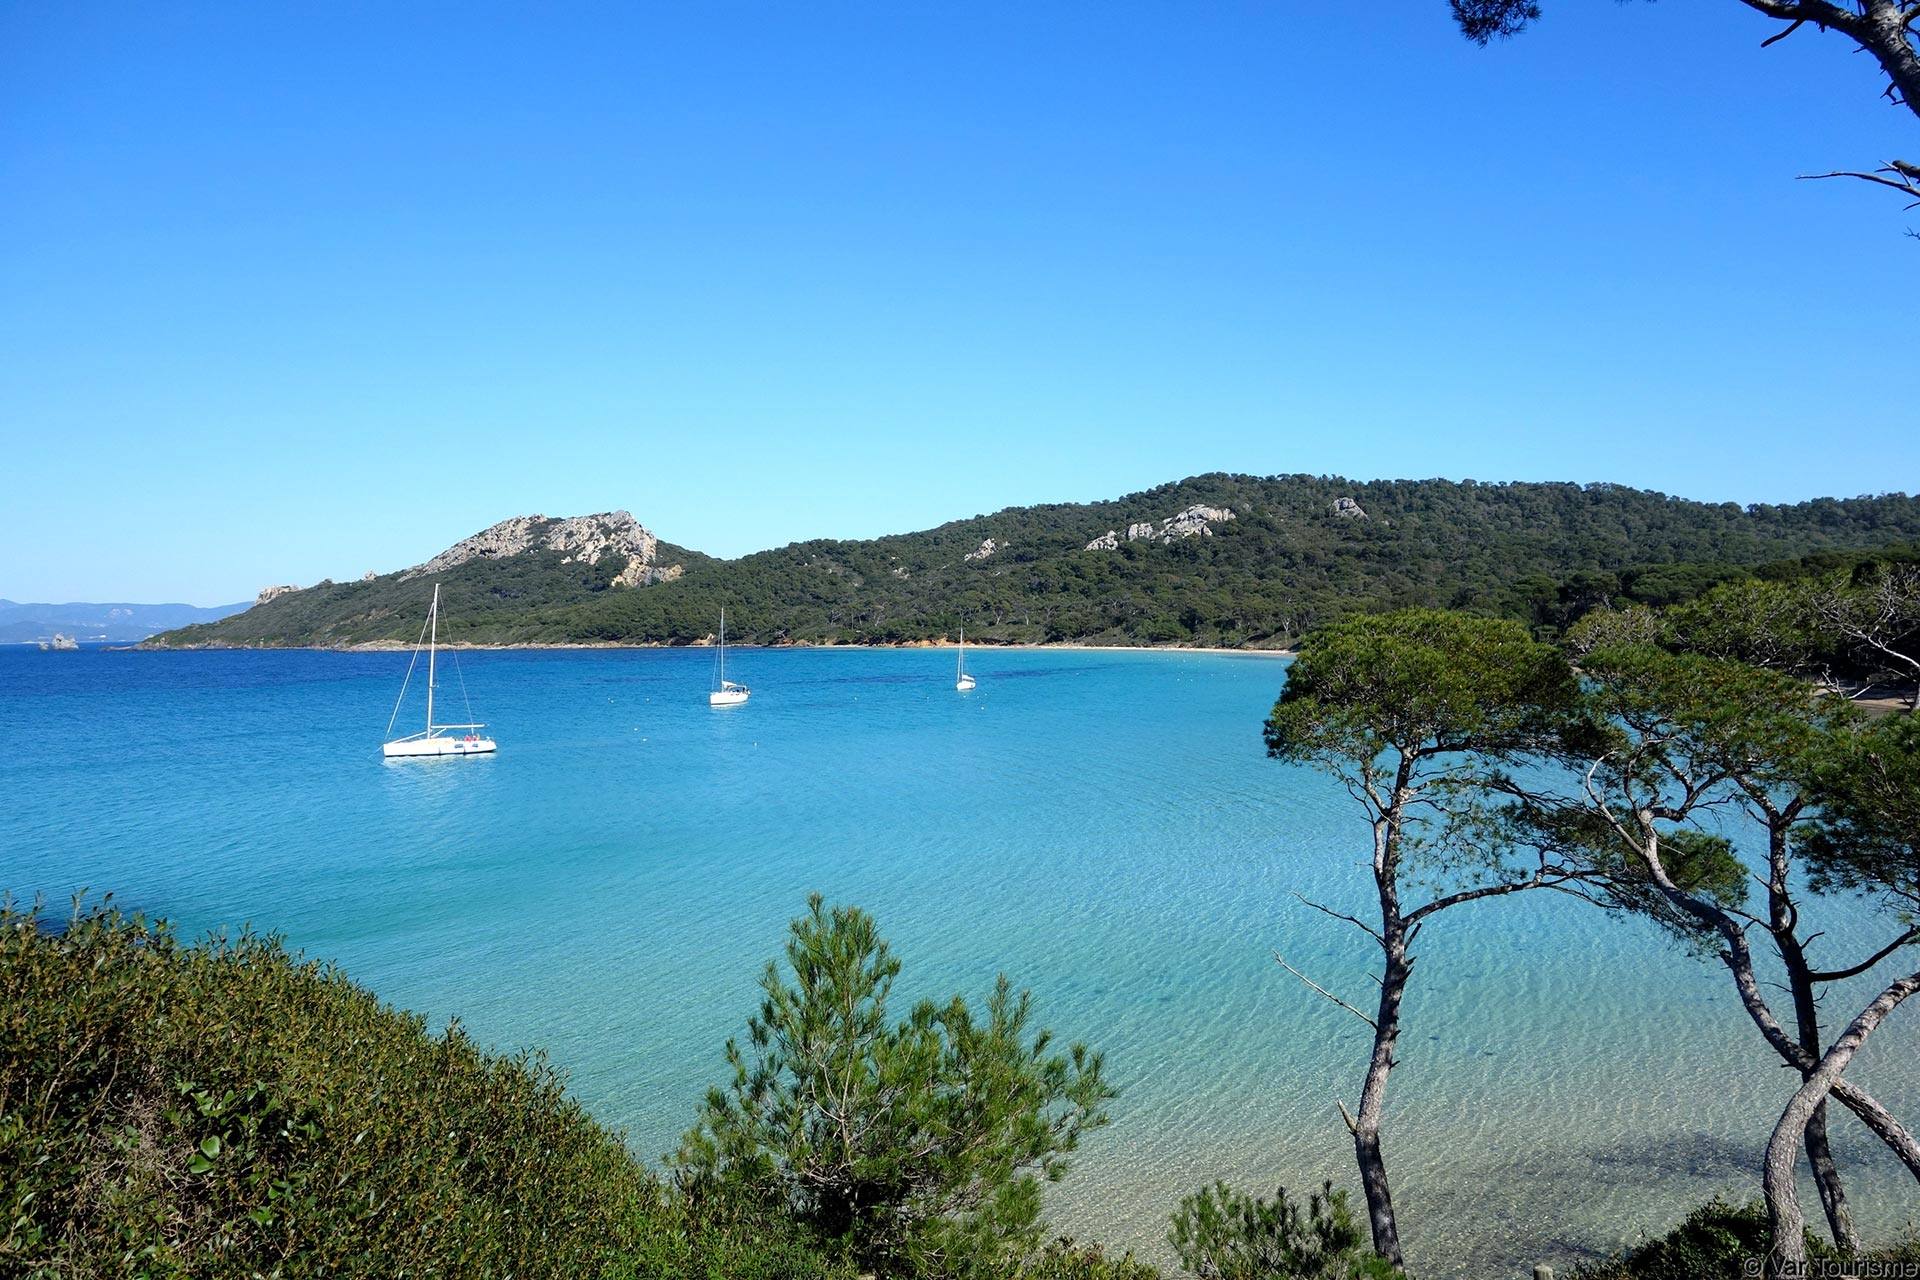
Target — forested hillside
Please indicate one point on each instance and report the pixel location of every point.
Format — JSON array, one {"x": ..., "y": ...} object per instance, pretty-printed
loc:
[{"x": 1264, "y": 560}]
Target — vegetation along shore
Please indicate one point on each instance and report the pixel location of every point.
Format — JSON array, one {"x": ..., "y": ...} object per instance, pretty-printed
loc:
[
  {"x": 938, "y": 642},
  {"x": 1217, "y": 560}
]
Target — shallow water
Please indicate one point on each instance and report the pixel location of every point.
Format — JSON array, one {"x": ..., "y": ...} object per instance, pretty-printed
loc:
[{"x": 1102, "y": 826}]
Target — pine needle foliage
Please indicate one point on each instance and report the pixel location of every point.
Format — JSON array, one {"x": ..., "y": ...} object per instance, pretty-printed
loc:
[
  {"x": 916, "y": 1146},
  {"x": 1224, "y": 1234}
]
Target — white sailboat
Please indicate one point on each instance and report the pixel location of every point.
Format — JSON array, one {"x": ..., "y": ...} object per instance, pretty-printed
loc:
[
  {"x": 725, "y": 692},
  {"x": 962, "y": 681},
  {"x": 435, "y": 739}
]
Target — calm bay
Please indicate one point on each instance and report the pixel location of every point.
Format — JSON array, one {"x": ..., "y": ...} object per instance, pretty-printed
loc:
[{"x": 1103, "y": 826}]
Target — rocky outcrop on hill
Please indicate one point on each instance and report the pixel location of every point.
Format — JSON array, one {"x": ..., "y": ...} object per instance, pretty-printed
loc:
[
  {"x": 274, "y": 593},
  {"x": 1195, "y": 522},
  {"x": 1347, "y": 509},
  {"x": 579, "y": 539},
  {"x": 986, "y": 548},
  {"x": 645, "y": 575}
]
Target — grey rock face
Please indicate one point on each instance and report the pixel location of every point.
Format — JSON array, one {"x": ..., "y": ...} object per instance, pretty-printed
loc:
[
  {"x": 274, "y": 593},
  {"x": 1195, "y": 522},
  {"x": 1347, "y": 509},
  {"x": 583, "y": 539},
  {"x": 639, "y": 575},
  {"x": 986, "y": 548}
]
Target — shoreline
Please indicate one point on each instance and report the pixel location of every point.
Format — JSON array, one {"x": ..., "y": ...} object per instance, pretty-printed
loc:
[{"x": 389, "y": 646}]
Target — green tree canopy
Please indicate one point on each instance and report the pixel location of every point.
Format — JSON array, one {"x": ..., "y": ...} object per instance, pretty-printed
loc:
[
  {"x": 1420, "y": 682},
  {"x": 1868, "y": 839}
]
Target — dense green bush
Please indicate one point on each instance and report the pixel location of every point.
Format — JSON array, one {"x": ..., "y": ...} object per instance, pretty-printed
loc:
[
  {"x": 1717, "y": 1241},
  {"x": 1224, "y": 1234},
  {"x": 676, "y": 1246},
  {"x": 228, "y": 1110},
  {"x": 1721, "y": 1241},
  {"x": 1063, "y": 1259},
  {"x": 914, "y": 1147}
]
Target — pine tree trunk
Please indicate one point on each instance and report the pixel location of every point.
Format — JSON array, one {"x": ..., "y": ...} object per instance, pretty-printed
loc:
[
  {"x": 1789, "y": 1252},
  {"x": 1826, "y": 1176},
  {"x": 1739, "y": 962},
  {"x": 1373, "y": 1103},
  {"x": 1833, "y": 1196},
  {"x": 1783, "y": 923},
  {"x": 1386, "y": 1024},
  {"x": 1882, "y": 1123}
]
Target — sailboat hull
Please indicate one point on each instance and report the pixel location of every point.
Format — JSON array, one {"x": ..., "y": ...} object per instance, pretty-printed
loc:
[
  {"x": 727, "y": 698},
  {"x": 964, "y": 683},
  {"x": 424, "y": 748}
]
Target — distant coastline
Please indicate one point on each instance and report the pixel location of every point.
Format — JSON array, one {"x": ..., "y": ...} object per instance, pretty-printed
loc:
[{"x": 399, "y": 646}]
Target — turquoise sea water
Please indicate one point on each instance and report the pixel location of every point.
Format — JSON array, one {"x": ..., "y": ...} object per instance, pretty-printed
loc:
[{"x": 1102, "y": 826}]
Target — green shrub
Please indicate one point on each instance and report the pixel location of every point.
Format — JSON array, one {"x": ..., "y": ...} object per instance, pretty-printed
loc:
[
  {"x": 1716, "y": 1240},
  {"x": 229, "y": 1110},
  {"x": 915, "y": 1147},
  {"x": 1063, "y": 1259},
  {"x": 1224, "y": 1234},
  {"x": 1721, "y": 1241},
  {"x": 679, "y": 1247}
]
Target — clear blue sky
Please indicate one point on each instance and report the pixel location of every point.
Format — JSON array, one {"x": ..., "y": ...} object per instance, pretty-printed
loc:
[{"x": 301, "y": 290}]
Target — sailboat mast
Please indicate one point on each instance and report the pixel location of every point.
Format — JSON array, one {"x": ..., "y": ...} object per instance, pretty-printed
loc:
[
  {"x": 960, "y": 659},
  {"x": 433, "y": 640},
  {"x": 723, "y": 647}
]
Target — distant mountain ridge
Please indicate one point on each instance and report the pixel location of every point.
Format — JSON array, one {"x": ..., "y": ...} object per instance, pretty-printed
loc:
[
  {"x": 1214, "y": 559},
  {"x": 119, "y": 623}
]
